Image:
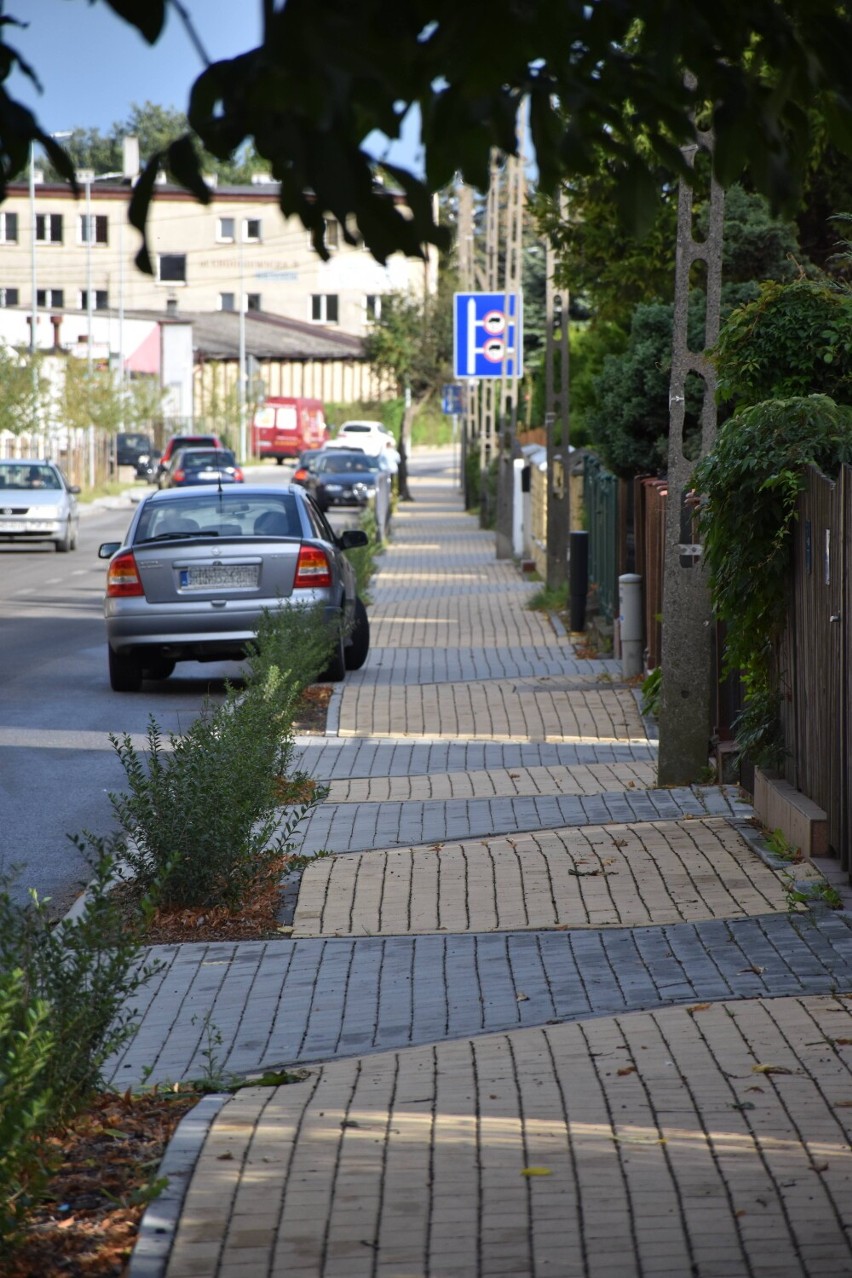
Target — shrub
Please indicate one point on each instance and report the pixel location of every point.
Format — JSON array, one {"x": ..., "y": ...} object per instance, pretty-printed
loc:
[
  {"x": 202, "y": 812},
  {"x": 26, "y": 1043},
  {"x": 85, "y": 968}
]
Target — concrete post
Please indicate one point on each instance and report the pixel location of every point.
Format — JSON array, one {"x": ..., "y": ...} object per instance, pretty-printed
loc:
[{"x": 687, "y": 690}]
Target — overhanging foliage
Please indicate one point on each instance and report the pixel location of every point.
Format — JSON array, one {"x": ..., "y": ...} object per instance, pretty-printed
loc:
[
  {"x": 327, "y": 75},
  {"x": 750, "y": 483}
]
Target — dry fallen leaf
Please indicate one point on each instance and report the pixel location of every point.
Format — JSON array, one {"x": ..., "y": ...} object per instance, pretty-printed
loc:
[
  {"x": 843, "y": 1104},
  {"x": 536, "y": 1171},
  {"x": 522, "y": 998},
  {"x": 698, "y": 1007},
  {"x": 842, "y": 1042},
  {"x": 770, "y": 1069},
  {"x": 628, "y": 1069},
  {"x": 756, "y": 968}
]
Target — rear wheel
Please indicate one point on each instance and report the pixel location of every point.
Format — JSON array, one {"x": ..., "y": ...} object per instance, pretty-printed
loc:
[
  {"x": 356, "y": 651},
  {"x": 336, "y": 668},
  {"x": 125, "y": 673}
]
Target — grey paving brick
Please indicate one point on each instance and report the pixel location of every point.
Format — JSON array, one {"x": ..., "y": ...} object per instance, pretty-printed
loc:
[{"x": 339, "y": 997}]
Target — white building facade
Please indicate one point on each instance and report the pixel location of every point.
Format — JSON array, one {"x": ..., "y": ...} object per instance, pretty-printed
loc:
[{"x": 60, "y": 254}]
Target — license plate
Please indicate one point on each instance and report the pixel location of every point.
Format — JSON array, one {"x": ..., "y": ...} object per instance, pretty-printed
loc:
[
  {"x": 203, "y": 576},
  {"x": 8, "y": 525}
]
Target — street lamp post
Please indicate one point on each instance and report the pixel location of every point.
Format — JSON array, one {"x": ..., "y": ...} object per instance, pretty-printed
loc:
[
  {"x": 242, "y": 343},
  {"x": 87, "y": 177}
]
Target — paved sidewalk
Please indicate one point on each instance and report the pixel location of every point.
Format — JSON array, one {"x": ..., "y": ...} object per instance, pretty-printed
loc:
[{"x": 551, "y": 1019}]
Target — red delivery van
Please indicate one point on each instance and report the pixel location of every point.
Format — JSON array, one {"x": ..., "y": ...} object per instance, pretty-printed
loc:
[{"x": 285, "y": 427}]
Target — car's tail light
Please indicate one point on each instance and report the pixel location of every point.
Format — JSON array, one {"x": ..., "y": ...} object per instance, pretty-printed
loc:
[
  {"x": 300, "y": 474},
  {"x": 313, "y": 568},
  {"x": 238, "y": 475},
  {"x": 179, "y": 476},
  {"x": 123, "y": 577}
]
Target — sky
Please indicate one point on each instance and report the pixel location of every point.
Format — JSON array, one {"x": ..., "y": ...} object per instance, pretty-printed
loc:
[{"x": 93, "y": 66}]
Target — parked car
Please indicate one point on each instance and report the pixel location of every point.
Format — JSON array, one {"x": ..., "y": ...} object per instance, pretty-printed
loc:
[
  {"x": 199, "y": 566},
  {"x": 135, "y": 449},
  {"x": 306, "y": 465},
  {"x": 37, "y": 503},
  {"x": 192, "y": 466},
  {"x": 347, "y": 477},
  {"x": 373, "y": 437},
  {"x": 184, "y": 441}
]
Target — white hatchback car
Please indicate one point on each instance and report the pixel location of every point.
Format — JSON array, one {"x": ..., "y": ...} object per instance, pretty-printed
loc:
[{"x": 371, "y": 437}]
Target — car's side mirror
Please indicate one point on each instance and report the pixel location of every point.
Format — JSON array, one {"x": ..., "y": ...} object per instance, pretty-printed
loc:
[
  {"x": 74, "y": 488},
  {"x": 352, "y": 537},
  {"x": 108, "y": 548}
]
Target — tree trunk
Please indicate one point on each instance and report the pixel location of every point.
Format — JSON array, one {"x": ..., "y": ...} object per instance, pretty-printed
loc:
[{"x": 404, "y": 451}]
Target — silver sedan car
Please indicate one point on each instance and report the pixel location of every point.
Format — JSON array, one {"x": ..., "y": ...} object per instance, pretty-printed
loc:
[
  {"x": 199, "y": 566},
  {"x": 37, "y": 503}
]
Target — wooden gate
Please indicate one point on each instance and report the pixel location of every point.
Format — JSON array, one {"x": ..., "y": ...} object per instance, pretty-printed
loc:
[{"x": 814, "y": 666}]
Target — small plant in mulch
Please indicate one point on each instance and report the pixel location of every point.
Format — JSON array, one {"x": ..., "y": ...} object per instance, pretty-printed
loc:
[{"x": 102, "y": 1171}]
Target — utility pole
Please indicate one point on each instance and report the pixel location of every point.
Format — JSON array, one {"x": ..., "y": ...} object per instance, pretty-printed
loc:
[
  {"x": 687, "y": 688},
  {"x": 556, "y": 391},
  {"x": 464, "y": 248},
  {"x": 507, "y": 402}
]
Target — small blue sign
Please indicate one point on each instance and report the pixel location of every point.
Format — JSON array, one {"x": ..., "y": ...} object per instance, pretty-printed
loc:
[
  {"x": 488, "y": 335},
  {"x": 451, "y": 400}
]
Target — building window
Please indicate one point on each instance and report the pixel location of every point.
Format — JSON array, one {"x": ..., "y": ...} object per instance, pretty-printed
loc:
[
  {"x": 8, "y": 297},
  {"x": 332, "y": 233},
  {"x": 100, "y": 299},
  {"x": 226, "y": 234},
  {"x": 172, "y": 268},
  {"x": 8, "y": 228},
  {"x": 251, "y": 230},
  {"x": 49, "y": 228},
  {"x": 99, "y": 224},
  {"x": 50, "y": 297},
  {"x": 252, "y": 301},
  {"x": 227, "y": 301},
  {"x": 324, "y": 308},
  {"x": 373, "y": 306}
]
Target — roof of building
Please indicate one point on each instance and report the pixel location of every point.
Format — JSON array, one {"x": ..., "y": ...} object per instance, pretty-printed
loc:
[{"x": 216, "y": 335}]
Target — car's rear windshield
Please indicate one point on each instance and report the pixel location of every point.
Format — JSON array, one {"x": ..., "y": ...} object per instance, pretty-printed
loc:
[
  {"x": 214, "y": 514},
  {"x": 196, "y": 457},
  {"x": 346, "y": 463}
]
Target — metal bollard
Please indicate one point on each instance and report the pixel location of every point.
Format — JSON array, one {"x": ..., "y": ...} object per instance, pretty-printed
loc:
[{"x": 630, "y": 619}]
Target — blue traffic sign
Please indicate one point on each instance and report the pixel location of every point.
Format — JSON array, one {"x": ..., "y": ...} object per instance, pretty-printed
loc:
[
  {"x": 488, "y": 335},
  {"x": 451, "y": 400}
]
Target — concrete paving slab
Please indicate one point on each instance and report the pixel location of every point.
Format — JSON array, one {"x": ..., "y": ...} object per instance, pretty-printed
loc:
[
  {"x": 496, "y": 710},
  {"x": 708, "y": 1141},
  {"x": 597, "y": 876},
  {"x": 595, "y": 778}
]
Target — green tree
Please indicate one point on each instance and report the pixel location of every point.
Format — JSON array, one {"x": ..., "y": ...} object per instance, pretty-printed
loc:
[
  {"x": 155, "y": 127},
  {"x": 24, "y": 391},
  {"x": 411, "y": 343},
  {"x": 326, "y": 76},
  {"x": 794, "y": 339},
  {"x": 627, "y": 403}
]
